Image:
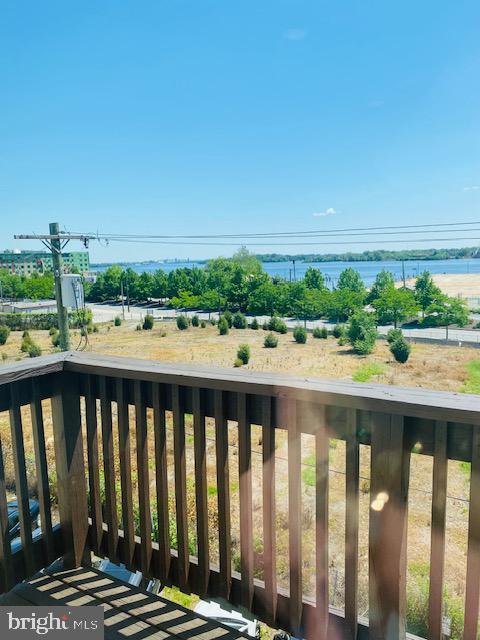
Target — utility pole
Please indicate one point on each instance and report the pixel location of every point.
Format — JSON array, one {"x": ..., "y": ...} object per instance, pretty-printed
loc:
[
  {"x": 56, "y": 242},
  {"x": 121, "y": 295},
  {"x": 403, "y": 274}
]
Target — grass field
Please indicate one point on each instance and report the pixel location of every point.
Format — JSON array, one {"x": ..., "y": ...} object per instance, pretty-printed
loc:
[{"x": 433, "y": 366}]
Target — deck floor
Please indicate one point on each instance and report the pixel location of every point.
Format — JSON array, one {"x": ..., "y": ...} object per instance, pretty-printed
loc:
[{"x": 129, "y": 611}]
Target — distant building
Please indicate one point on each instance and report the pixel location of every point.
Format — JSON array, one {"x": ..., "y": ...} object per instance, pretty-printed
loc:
[{"x": 27, "y": 262}]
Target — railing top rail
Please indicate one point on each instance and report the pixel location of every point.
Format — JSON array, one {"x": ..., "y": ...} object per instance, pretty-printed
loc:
[{"x": 415, "y": 402}]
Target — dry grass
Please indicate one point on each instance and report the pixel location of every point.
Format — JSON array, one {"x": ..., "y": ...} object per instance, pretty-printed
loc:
[
  {"x": 455, "y": 284},
  {"x": 429, "y": 366}
]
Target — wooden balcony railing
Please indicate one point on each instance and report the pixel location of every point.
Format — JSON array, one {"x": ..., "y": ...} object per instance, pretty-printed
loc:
[{"x": 97, "y": 399}]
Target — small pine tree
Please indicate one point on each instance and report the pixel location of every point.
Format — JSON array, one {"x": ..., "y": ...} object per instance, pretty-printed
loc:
[
  {"x": 238, "y": 363},
  {"x": 393, "y": 335},
  {"x": 26, "y": 343},
  {"x": 34, "y": 350},
  {"x": 182, "y": 323},
  {"x": 277, "y": 325},
  {"x": 223, "y": 326},
  {"x": 52, "y": 331},
  {"x": 254, "y": 324},
  {"x": 148, "y": 322},
  {"x": 400, "y": 349},
  {"x": 243, "y": 353},
  {"x": 339, "y": 331},
  {"x": 229, "y": 318},
  {"x": 118, "y": 321},
  {"x": 300, "y": 335},
  {"x": 195, "y": 321},
  {"x": 239, "y": 321},
  {"x": 4, "y": 333},
  {"x": 56, "y": 339},
  {"x": 270, "y": 341},
  {"x": 203, "y": 324}
]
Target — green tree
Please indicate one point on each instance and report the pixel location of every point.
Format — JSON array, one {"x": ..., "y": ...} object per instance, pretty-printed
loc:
[
  {"x": 448, "y": 311},
  {"x": 426, "y": 291},
  {"x": 395, "y": 305},
  {"x": 342, "y": 303},
  {"x": 362, "y": 332},
  {"x": 314, "y": 279},
  {"x": 383, "y": 282},
  {"x": 351, "y": 280}
]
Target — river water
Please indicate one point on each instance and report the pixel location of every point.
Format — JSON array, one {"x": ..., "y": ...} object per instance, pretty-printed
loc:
[{"x": 331, "y": 270}]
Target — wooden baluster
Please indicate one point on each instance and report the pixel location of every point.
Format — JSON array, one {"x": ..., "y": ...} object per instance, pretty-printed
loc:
[
  {"x": 180, "y": 483},
  {"x": 321, "y": 525},
  {"x": 351, "y": 523},
  {"x": 128, "y": 555},
  {"x": 161, "y": 479},
  {"x": 200, "y": 451},
  {"x": 70, "y": 466},
  {"x": 21, "y": 484},
  {"x": 93, "y": 465},
  {"x": 143, "y": 478},
  {"x": 43, "y": 487},
  {"x": 109, "y": 469},
  {"x": 245, "y": 485},
  {"x": 390, "y": 461},
  {"x": 437, "y": 547},
  {"x": 294, "y": 516},
  {"x": 269, "y": 511},
  {"x": 223, "y": 495},
  {"x": 6, "y": 565},
  {"x": 472, "y": 592}
]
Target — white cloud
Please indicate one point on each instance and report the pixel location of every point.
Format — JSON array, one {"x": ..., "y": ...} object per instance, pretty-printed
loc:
[
  {"x": 474, "y": 187},
  {"x": 328, "y": 212},
  {"x": 295, "y": 34}
]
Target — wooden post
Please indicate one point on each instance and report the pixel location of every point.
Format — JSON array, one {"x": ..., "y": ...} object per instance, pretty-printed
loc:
[
  {"x": 390, "y": 462},
  {"x": 72, "y": 490}
]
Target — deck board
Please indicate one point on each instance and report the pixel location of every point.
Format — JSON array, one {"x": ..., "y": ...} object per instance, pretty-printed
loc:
[{"x": 129, "y": 611}]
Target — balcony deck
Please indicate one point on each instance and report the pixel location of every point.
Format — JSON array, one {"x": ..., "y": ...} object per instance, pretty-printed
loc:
[{"x": 99, "y": 411}]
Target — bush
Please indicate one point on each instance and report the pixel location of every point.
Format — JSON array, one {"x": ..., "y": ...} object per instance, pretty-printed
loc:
[
  {"x": 4, "y": 356},
  {"x": 4, "y": 333},
  {"x": 34, "y": 350},
  {"x": 182, "y": 322},
  {"x": 117, "y": 321},
  {"x": 300, "y": 335},
  {"x": 26, "y": 343},
  {"x": 277, "y": 325},
  {"x": 148, "y": 322},
  {"x": 229, "y": 318},
  {"x": 138, "y": 327},
  {"x": 254, "y": 324},
  {"x": 56, "y": 339},
  {"x": 265, "y": 326},
  {"x": 322, "y": 333},
  {"x": 239, "y": 321},
  {"x": 52, "y": 331},
  {"x": 213, "y": 322},
  {"x": 243, "y": 353},
  {"x": 362, "y": 332},
  {"x": 238, "y": 362},
  {"x": 223, "y": 326},
  {"x": 26, "y": 334},
  {"x": 203, "y": 324},
  {"x": 342, "y": 341},
  {"x": 195, "y": 321},
  {"x": 339, "y": 331},
  {"x": 270, "y": 341},
  {"x": 43, "y": 321},
  {"x": 394, "y": 334},
  {"x": 400, "y": 349}
]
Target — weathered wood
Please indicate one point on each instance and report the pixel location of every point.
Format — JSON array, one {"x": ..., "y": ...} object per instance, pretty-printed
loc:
[
  {"x": 43, "y": 488},
  {"x": 437, "y": 547},
  {"x": 223, "y": 495},
  {"x": 6, "y": 565},
  {"x": 321, "y": 525},
  {"x": 109, "y": 468},
  {"x": 200, "y": 453},
  {"x": 143, "y": 478},
  {"x": 93, "y": 465},
  {"x": 294, "y": 516},
  {"x": 413, "y": 402},
  {"x": 124, "y": 450},
  {"x": 161, "y": 479},
  {"x": 269, "y": 511},
  {"x": 21, "y": 484},
  {"x": 180, "y": 483},
  {"x": 390, "y": 462},
  {"x": 246, "y": 507},
  {"x": 70, "y": 466},
  {"x": 352, "y": 481},
  {"x": 472, "y": 592}
]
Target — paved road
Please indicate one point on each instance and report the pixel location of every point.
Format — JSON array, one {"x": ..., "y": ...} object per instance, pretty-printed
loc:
[{"x": 104, "y": 313}]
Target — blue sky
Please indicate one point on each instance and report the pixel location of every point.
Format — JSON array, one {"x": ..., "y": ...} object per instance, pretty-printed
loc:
[{"x": 209, "y": 117}]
